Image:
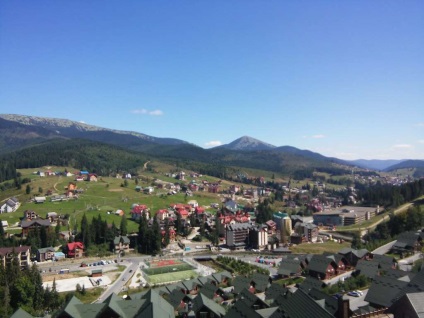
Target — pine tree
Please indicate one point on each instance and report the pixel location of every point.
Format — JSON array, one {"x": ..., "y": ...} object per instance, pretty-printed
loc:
[
  {"x": 166, "y": 239},
  {"x": 38, "y": 297},
  {"x": 123, "y": 226},
  {"x": 55, "y": 298},
  {"x": 43, "y": 237},
  {"x": 85, "y": 231},
  {"x": 1, "y": 234},
  {"x": 156, "y": 237},
  {"x": 142, "y": 234},
  {"x": 5, "y": 309},
  {"x": 57, "y": 230}
]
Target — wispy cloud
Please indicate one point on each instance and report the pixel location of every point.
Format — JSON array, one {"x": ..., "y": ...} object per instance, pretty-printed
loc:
[
  {"x": 143, "y": 111},
  {"x": 213, "y": 143},
  {"x": 402, "y": 146},
  {"x": 419, "y": 125},
  {"x": 318, "y": 136},
  {"x": 421, "y": 141}
]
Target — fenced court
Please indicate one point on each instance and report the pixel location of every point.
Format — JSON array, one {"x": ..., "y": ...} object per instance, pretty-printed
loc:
[{"x": 162, "y": 271}]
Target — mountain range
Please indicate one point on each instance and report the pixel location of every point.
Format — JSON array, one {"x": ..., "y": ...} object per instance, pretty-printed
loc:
[{"x": 20, "y": 131}]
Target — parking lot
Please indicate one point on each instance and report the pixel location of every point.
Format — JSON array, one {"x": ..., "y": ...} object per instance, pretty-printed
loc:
[{"x": 70, "y": 284}]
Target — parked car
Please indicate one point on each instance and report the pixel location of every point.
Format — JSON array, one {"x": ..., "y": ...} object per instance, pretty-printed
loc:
[
  {"x": 359, "y": 292},
  {"x": 338, "y": 295},
  {"x": 353, "y": 293}
]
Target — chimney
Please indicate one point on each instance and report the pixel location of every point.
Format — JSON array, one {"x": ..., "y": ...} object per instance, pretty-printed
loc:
[{"x": 343, "y": 308}]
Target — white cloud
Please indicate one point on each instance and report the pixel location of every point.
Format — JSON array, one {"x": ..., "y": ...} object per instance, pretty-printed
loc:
[
  {"x": 156, "y": 112},
  {"x": 213, "y": 143},
  {"x": 402, "y": 146},
  {"x": 419, "y": 125},
  {"x": 421, "y": 141},
  {"x": 143, "y": 111},
  {"x": 318, "y": 136}
]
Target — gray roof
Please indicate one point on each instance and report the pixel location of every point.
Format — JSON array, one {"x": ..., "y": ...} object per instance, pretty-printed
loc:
[
  {"x": 202, "y": 301},
  {"x": 209, "y": 290},
  {"x": 20, "y": 313},
  {"x": 407, "y": 240},
  {"x": 124, "y": 308},
  {"x": 45, "y": 250},
  {"x": 155, "y": 306},
  {"x": 416, "y": 300},
  {"x": 384, "y": 291},
  {"x": 266, "y": 312},
  {"x": 358, "y": 253},
  {"x": 309, "y": 283},
  {"x": 301, "y": 305},
  {"x": 368, "y": 268},
  {"x": 242, "y": 310},
  {"x": 40, "y": 222},
  {"x": 289, "y": 267},
  {"x": 124, "y": 239},
  {"x": 384, "y": 261},
  {"x": 241, "y": 282},
  {"x": 274, "y": 291},
  {"x": 398, "y": 274},
  {"x": 261, "y": 281},
  {"x": 331, "y": 304},
  {"x": 250, "y": 299},
  {"x": 319, "y": 263},
  {"x": 238, "y": 226}
]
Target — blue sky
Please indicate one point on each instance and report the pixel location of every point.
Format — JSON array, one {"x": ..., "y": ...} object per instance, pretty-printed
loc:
[{"x": 343, "y": 78}]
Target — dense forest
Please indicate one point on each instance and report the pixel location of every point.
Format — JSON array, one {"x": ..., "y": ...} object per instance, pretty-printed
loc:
[
  {"x": 95, "y": 157},
  {"x": 411, "y": 220},
  {"x": 24, "y": 289},
  {"x": 389, "y": 195}
]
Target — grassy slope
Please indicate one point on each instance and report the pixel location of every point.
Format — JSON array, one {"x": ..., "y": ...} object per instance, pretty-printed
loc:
[
  {"x": 319, "y": 248},
  {"x": 98, "y": 198}
]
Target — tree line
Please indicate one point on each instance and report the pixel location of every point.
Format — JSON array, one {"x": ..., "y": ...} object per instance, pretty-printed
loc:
[
  {"x": 390, "y": 195},
  {"x": 24, "y": 289},
  {"x": 411, "y": 220}
]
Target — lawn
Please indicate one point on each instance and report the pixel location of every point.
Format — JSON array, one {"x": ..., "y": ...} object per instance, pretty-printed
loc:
[
  {"x": 171, "y": 277},
  {"x": 319, "y": 248},
  {"x": 167, "y": 269}
]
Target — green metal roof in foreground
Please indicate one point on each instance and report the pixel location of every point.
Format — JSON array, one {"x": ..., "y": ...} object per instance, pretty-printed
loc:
[
  {"x": 20, "y": 313},
  {"x": 148, "y": 305},
  {"x": 202, "y": 301}
]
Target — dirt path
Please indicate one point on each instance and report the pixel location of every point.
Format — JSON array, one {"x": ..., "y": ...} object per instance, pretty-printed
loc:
[{"x": 145, "y": 165}]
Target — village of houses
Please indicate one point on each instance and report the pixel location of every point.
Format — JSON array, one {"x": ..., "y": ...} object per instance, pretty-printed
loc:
[{"x": 268, "y": 245}]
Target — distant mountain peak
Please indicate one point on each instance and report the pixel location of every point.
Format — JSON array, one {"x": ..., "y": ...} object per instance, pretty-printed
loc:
[{"x": 247, "y": 143}]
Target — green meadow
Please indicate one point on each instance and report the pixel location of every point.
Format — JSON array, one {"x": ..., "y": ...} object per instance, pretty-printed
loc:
[{"x": 108, "y": 194}]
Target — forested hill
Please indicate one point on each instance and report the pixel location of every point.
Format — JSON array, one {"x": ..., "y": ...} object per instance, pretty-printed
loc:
[
  {"x": 406, "y": 165},
  {"x": 18, "y": 131},
  {"x": 88, "y": 155}
]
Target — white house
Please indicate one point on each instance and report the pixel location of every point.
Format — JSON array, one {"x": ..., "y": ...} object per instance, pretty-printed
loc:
[
  {"x": 11, "y": 205},
  {"x": 148, "y": 190}
]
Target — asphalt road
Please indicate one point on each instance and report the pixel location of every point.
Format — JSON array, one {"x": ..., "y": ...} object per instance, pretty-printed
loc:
[{"x": 119, "y": 283}]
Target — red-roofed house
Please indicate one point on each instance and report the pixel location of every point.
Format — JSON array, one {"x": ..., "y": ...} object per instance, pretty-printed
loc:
[
  {"x": 183, "y": 213},
  {"x": 137, "y": 211},
  {"x": 162, "y": 214},
  {"x": 172, "y": 234},
  {"x": 200, "y": 210},
  {"x": 74, "y": 250}
]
